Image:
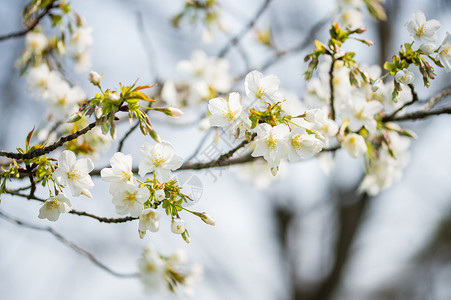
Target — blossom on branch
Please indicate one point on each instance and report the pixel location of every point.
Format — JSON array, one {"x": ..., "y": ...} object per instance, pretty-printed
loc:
[
  {"x": 354, "y": 144},
  {"x": 420, "y": 30},
  {"x": 120, "y": 172},
  {"x": 302, "y": 144},
  {"x": 130, "y": 199},
  {"x": 54, "y": 206},
  {"x": 262, "y": 88},
  {"x": 272, "y": 144},
  {"x": 74, "y": 173},
  {"x": 444, "y": 53},
  {"x": 159, "y": 159}
]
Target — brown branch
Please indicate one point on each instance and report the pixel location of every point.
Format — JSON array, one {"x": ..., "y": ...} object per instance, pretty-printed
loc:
[
  {"x": 236, "y": 39},
  {"x": 418, "y": 115},
  {"x": 102, "y": 219},
  {"x": 414, "y": 99},
  {"x": 350, "y": 218},
  {"x": 433, "y": 100},
  {"x": 331, "y": 87},
  {"x": 30, "y": 27},
  {"x": 219, "y": 163},
  {"x": 49, "y": 148},
  {"x": 309, "y": 38},
  {"x": 68, "y": 243},
  {"x": 73, "y": 211},
  {"x": 126, "y": 135}
]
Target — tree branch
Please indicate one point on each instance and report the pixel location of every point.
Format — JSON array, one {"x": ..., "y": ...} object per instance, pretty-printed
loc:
[
  {"x": 433, "y": 100},
  {"x": 73, "y": 211},
  {"x": 49, "y": 148},
  {"x": 331, "y": 87},
  {"x": 68, "y": 243},
  {"x": 236, "y": 39},
  {"x": 30, "y": 27},
  {"x": 414, "y": 99},
  {"x": 421, "y": 115}
]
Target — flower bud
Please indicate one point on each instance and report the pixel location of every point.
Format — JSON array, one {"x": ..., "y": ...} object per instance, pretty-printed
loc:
[
  {"x": 178, "y": 226},
  {"x": 156, "y": 137},
  {"x": 159, "y": 194},
  {"x": 404, "y": 76},
  {"x": 95, "y": 78},
  {"x": 75, "y": 117},
  {"x": 208, "y": 219},
  {"x": 354, "y": 144},
  {"x": 375, "y": 85},
  {"x": 113, "y": 96},
  {"x": 174, "y": 112},
  {"x": 99, "y": 112},
  {"x": 428, "y": 48}
]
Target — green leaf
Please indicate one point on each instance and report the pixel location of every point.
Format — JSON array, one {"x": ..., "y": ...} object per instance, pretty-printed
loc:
[{"x": 27, "y": 141}]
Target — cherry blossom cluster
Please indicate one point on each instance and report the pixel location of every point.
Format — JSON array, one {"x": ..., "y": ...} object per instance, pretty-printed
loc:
[
  {"x": 69, "y": 37},
  {"x": 350, "y": 14},
  {"x": 204, "y": 78},
  {"x": 417, "y": 53},
  {"x": 278, "y": 135},
  {"x": 205, "y": 12},
  {"x": 159, "y": 273}
]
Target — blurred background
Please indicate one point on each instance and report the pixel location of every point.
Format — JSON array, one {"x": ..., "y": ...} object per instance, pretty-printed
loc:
[{"x": 306, "y": 235}]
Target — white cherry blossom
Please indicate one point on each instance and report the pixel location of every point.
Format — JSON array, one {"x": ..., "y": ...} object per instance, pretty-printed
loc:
[
  {"x": 159, "y": 194},
  {"x": 54, "y": 206},
  {"x": 420, "y": 30},
  {"x": 149, "y": 220},
  {"x": 360, "y": 113},
  {"x": 36, "y": 41},
  {"x": 321, "y": 122},
  {"x": 74, "y": 173},
  {"x": 152, "y": 270},
  {"x": 271, "y": 143},
  {"x": 228, "y": 114},
  {"x": 120, "y": 172},
  {"x": 354, "y": 144},
  {"x": 302, "y": 144},
  {"x": 404, "y": 76},
  {"x": 262, "y": 88},
  {"x": 444, "y": 53},
  {"x": 130, "y": 199},
  {"x": 178, "y": 226},
  {"x": 159, "y": 159}
]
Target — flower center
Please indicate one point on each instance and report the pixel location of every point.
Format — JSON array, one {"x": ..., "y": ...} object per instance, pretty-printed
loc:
[
  {"x": 271, "y": 142},
  {"x": 74, "y": 175},
  {"x": 158, "y": 160},
  {"x": 126, "y": 175},
  {"x": 52, "y": 204},
  {"x": 260, "y": 93},
  {"x": 296, "y": 142},
  {"x": 129, "y": 198},
  {"x": 421, "y": 31},
  {"x": 446, "y": 52}
]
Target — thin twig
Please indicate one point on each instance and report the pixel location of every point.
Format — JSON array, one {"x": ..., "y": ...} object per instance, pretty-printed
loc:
[
  {"x": 30, "y": 27},
  {"x": 102, "y": 219},
  {"x": 331, "y": 87},
  {"x": 236, "y": 39},
  {"x": 49, "y": 148},
  {"x": 121, "y": 142},
  {"x": 148, "y": 46},
  {"x": 433, "y": 101},
  {"x": 73, "y": 211},
  {"x": 201, "y": 143},
  {"x": 414, "y": 99},
  {"x": 68, "y": 243},
  {"x": 421, "y": 114}
]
